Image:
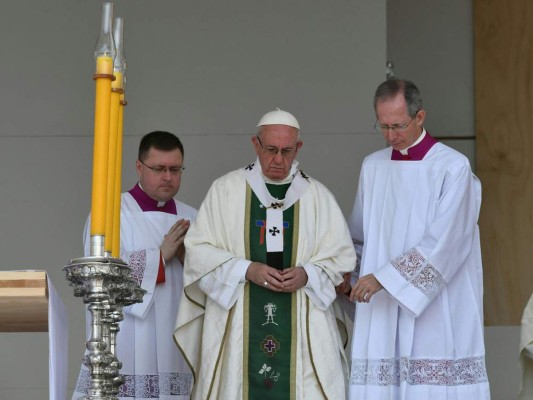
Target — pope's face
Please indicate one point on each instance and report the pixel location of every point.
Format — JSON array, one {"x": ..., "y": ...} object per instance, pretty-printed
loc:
[
  {"x": 276, "y": 147},
  {"x": 160, "y": 184},
  {"x": 393, "y": 112}
]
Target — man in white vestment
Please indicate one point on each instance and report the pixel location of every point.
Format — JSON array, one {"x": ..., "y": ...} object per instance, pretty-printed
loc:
[
  {"x": 263, "y": 258},
  {"x": 418, "y": 328},
  {"x": 153, "y": 227}
]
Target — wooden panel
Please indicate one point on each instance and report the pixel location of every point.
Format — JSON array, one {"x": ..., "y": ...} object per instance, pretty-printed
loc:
[
  {"x": 23, "y": 301},
  {"x": 504, "y": 122}
]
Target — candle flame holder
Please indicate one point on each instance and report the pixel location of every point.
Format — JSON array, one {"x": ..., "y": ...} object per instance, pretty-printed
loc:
[{"x": 107, "y": 287}]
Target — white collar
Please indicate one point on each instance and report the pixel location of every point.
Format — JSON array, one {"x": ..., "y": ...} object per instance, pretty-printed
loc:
[
  {"x": 420, "y": 138},
  {"x": 257, "y": 181}
]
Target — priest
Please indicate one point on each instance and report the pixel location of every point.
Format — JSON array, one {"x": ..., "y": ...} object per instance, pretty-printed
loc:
[
  {"x": 418, "y": 328},
  {"x": 262, "y": 261},
  {"x": 153, "y": 225}
]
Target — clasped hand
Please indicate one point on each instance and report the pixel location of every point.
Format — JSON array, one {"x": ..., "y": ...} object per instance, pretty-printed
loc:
[
  {"x": 172, "y": 245},
  {"x": 287, "y": 280}
]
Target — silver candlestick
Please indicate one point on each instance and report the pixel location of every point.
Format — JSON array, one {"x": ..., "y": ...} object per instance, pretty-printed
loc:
[{"x": 106, "y": 286}]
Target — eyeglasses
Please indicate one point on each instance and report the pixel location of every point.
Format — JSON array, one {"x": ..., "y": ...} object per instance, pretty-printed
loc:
[
  {"x": 394, "y": 127},
  {"x": 160, "y": 170},
  {"x": 273, "y": 151}
]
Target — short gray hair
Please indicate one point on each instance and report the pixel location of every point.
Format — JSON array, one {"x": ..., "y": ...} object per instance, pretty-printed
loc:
[{"x": 394, "y": 86}]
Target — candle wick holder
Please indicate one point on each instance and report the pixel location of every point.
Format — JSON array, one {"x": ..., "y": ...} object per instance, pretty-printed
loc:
[
  {"x": 104, "y": 76},
  {"x": 107, "y": 287}
]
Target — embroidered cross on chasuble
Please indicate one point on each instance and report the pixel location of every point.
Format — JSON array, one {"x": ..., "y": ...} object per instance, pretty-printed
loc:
[{"x": 269, "y": 317}]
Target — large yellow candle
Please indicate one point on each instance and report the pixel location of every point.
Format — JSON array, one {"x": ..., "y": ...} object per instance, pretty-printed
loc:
[
  {"x": 118, "y": 180},
  {"x": 103, "y": 79},
  {"x": 105, "y": 54},
  {"x": 104, "y": 65},
  {"x": 120, "y": 70},
  {"x": 116, "y": 89}
]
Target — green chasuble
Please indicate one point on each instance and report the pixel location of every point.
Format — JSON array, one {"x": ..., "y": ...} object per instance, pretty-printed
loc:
[{"x": 269, "y": 317}]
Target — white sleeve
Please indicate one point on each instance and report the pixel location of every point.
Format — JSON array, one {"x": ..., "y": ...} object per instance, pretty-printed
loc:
[
  {"x": 528, "y": 351},
  {"x": 319, "y": 287},
  {"x": 223, "y": 285}
]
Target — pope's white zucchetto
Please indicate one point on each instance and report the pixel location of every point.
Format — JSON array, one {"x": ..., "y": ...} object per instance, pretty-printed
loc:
[{"x": 278, "y": 117}]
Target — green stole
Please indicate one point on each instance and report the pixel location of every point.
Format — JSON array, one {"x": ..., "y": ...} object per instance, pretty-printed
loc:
[{"x": 269, "y": 341}]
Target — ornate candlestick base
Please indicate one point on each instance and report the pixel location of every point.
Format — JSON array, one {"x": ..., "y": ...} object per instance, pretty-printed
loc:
[{"x": 107, "y": 287}]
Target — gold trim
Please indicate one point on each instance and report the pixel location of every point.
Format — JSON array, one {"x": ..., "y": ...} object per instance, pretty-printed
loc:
[
  {"x": 345, "y": 330},
  {"x": 180, "y": 348},
  {"x": 187, "y": 361},
  {"x": 228, "y": 323},
  {"x": 193, "y": 301},
  {"x": 245, "y": 339},
  {"x": 294, "y": 300},
  {"x": 310, "y": 349},
  {"x": 295, "y": 230},
  {"x": 294, "y": 343},
  {"x": 247, "y": 211},
  {"x": 246, "y": 304}
]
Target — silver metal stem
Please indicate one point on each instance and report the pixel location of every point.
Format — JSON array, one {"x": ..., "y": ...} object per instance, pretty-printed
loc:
[
  {"x": 97, "y": 244},
  {"x": 107, "y": 287}
]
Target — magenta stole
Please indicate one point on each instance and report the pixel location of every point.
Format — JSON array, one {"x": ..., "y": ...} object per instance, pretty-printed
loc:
[
  {"x": 415, "y": 153},
  {"x": 148, "y": 204}
]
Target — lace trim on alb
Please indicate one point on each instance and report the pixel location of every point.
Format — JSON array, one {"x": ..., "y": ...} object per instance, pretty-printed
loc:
[
  {"x": 137, "y": 263},
  {"x": 419, "y": 272},
  {"x": 437, "y": 372},
  {"x": 146, "y": 386}
]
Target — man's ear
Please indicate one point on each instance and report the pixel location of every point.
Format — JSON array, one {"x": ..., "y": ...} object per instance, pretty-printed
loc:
[
  {"x": 138, "y": 166},
  {"x": 420, "y": 117},
  {"x": 255, "y": 143}
]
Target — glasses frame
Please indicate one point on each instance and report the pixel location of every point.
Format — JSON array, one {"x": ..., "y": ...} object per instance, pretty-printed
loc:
[
  {"x": 384, "y": 128},
  {"x": 174, "y": 171},
  {"x": 273, "y": 151}
]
